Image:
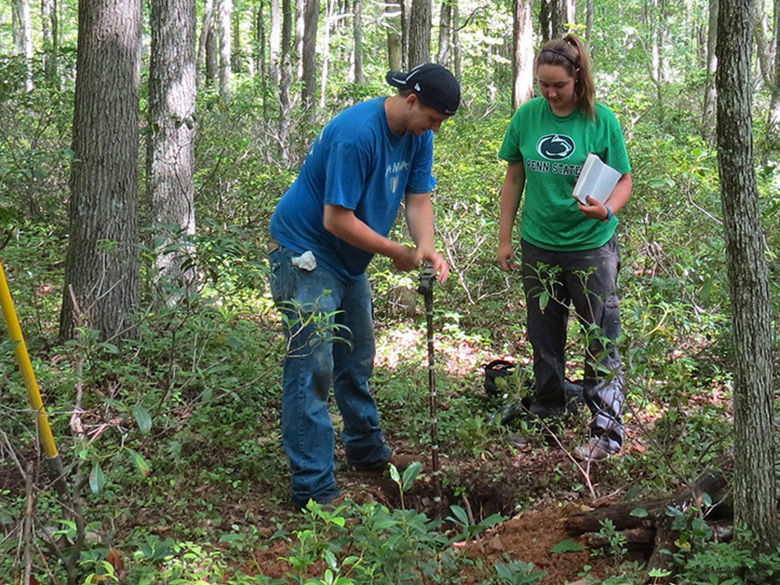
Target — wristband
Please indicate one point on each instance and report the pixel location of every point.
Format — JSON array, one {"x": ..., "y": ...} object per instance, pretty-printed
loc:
[{"x": 609, "y": 213}]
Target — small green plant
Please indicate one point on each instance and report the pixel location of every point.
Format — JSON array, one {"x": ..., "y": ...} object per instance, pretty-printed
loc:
[
  {"x": 515, "y": 573},
  {"x": 615, "y": 541}
]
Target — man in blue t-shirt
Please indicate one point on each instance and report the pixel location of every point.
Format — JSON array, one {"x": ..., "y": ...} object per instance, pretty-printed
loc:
[{"x": 330, "y": 223}]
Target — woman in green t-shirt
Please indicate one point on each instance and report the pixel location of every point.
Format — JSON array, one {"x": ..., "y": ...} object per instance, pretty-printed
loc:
[{"x": 569, "y": 251}]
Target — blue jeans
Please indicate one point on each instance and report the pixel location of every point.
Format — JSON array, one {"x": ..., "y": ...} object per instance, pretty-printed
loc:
[
  {"x": 586, "y": 280},
  {"x": 318, "y": 308}
]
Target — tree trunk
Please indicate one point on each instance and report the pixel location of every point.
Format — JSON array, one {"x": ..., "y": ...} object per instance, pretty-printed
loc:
[
  {"x": 774, "y": 103},
  {"x": 170, "y": 146},
  {"x": 523, "y": 53},
  {"x": 261, "y": 66},
  {"x": 395, "y": 41},
  {"x": 591, "y": 8},
  {"x": 330, "y": 9},
  {"x": 420, "y": 32},
  {"x": 311, "y": 15},
  {"x": 300, "y": 25},
  {"x": 286, "y": 78},
  {"x": 101, "y": 266},
  {"x": 710, "y": 93},
  {"x": 446, "y": 24},
  {"x": 761, "y": 34},
  {"x": 275, "y": 42},
  {"x": 207, "y": 46},
  {"x": 236, "y": 58},
  {"x": 23, "y": 39},
  {"x": 357, "y": 39},
  {"x": 50, "y": 38},
  {"x": 225, "y": 8},
  {"x": 754, "y": 489},
  {"x": 552, "y": 19}
]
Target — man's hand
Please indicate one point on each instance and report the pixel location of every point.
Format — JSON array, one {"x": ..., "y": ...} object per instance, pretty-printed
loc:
[
  {"x": 410, "y": 258},
  {"x": 406, "y": 259}
]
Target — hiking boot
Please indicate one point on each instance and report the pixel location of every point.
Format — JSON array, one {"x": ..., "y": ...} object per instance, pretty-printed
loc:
[
  {"x": 593, "y": 450},
  {"x": 401, "y": 462}
]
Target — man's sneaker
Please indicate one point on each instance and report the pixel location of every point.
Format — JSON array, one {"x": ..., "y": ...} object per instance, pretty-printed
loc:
[
  {"x": 401, "y": 462},
  {"x": 593, "y": 450}
]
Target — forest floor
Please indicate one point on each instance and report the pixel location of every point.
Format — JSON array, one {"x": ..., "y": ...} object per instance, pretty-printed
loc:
[{"x": 535, "y": 487}]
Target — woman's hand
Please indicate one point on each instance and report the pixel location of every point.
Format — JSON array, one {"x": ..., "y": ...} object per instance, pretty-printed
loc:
[{"x": 594, "y": 209}]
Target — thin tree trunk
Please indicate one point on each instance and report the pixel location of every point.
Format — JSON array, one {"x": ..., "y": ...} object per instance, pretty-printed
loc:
[
  {"x": 357, "y": 39},
  {"x": 774, "y": 104},
  {"x": 262, "y": 67},
  {"x": 286, "y": 77},
  {"x": 445, "y": 33},
  {"x": 275, "y": 42},
  {"x": 101, "y": 267},
  {"x": 225, "y": 47},
  {"x": 591, "y": 8},
  {"x": 311, "y": 15},
  {"x": 50, "y": 41},
  {"x": 300, "y": 26},
  {"x": 761, "y": 33},
  {"x": 523, "y": 53},
  {"x": 23, "y": 39},
  {"x": 170, "y": 146},
  {"x": 330, "y": 8},
  {"x": 754, "y": 490},
  {"x": 206, "y": 58},
  {"x": 710, "y": 92}
]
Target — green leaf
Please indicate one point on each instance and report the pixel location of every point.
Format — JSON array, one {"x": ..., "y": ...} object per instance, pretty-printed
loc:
[
  {"x": 410, "y": 474},
  {"x": 544, "y": 298},
  {"x": 566, "y": 545},
  {"x": 141, "y": 464},
  {"x": 97, "y": 478},
  {"x": 460, "y": 515},
  {"x": 394, "y": 475},
  {"x": 143, "y": 418},
  {"x": 639, "y": 513}
]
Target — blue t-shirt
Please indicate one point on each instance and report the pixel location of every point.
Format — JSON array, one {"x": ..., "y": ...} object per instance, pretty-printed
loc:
[{"x": 357, "y": 163}]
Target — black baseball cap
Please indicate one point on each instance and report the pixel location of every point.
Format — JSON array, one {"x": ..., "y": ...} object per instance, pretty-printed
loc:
[{"x": 435, "y": 85}]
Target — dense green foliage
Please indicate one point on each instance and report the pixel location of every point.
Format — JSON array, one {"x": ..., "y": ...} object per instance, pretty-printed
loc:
[{"x": 177, "y": 430}]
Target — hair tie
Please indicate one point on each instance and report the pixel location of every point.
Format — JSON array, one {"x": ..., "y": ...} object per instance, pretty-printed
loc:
[{"x": 564, "y": 55}]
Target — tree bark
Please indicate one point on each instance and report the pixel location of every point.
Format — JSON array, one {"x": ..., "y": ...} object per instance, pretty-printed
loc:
[
  {"x": 225, "y": 10},
  {"x": 710, "y": 93},
  {"x": 523, "y": 53},
  {"x": 330, "y": 8},
  {"x": 774, "y": 103},
  {"x": 170, "y": 146},
  {"x": 50, "y": 30},
  {"x": 23, "y": 39},
  {"x": 357, "y": 41},
  {"x": 275, "y": 42},
  {"x": 311, "y": 15},
  {"x": 420, "y": 32},
  {"x": 101, "y": 266},
  {"x": 754, "y": 493},
  {"x": 446, "y": 24}
]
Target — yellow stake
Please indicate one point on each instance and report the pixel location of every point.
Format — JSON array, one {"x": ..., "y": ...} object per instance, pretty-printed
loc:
[{"x": 23, "y": 359}]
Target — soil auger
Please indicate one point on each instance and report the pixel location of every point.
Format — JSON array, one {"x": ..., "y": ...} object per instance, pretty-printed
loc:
[{"x": 425, "y": 288}]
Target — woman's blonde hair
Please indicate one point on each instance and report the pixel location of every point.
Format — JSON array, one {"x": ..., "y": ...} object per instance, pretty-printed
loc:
[{"x": 570, "y": 53}]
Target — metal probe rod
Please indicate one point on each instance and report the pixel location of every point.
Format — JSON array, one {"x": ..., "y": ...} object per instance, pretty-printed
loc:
[{"x": 425, "y": 288}]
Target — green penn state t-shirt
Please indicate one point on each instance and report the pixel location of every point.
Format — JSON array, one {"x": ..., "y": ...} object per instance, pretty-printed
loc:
[{"x": 552, "y": 149}]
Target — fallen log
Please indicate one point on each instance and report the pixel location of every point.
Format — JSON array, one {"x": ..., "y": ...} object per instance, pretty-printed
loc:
[{"x": 654, "y": 524}]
